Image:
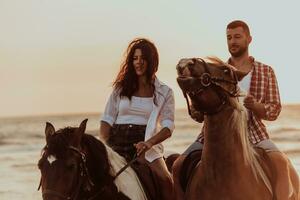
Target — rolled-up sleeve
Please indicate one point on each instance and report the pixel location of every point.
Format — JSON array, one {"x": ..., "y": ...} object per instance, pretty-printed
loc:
[
  {"x": 111, "y": 108},
  {"x": 167, "y": 114},
  {"x": 272, "y": 101}
]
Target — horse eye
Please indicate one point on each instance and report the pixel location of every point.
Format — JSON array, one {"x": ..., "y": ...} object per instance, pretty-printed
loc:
[{"x": 42, "y": 163}]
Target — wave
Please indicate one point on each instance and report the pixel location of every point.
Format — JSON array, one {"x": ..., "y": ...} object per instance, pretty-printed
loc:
[{"x": 285, "y": 129}]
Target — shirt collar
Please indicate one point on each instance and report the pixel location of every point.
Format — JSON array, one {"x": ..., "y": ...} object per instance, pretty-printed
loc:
[{"x": 252, "y": 60}]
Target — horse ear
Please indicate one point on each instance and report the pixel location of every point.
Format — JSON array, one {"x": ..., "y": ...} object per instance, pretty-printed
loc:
[
  {"x": 49, "y": 131},
  {"x": 79, "y": 133},
  {"x": 83, "y": 126}
]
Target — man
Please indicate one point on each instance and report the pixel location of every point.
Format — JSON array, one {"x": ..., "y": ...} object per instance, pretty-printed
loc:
[{"x": 262, "y": 102}]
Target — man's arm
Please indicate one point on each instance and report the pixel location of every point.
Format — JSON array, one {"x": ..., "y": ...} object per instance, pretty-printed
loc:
[
  {"x": 271, "y": 107},
  {"x": 257, "y": 108}
]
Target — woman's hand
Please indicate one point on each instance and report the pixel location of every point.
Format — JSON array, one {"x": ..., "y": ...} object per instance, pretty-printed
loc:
[{"x": 142, "y": 147}]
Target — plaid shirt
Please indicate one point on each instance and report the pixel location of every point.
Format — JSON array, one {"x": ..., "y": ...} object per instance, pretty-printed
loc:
[{"x": 265, "y": 90}]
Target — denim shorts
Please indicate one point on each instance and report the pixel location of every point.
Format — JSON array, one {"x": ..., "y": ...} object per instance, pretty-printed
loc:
[{"x": 123, "y": 137}]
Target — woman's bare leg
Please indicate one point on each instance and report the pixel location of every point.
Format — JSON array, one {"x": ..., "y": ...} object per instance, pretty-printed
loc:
[
  {"x": 160, "y": 169},
  {"x": 176, "y": 177}
]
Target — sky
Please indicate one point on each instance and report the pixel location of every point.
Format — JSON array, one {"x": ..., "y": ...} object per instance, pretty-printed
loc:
[{"x": 61, "y": 56}]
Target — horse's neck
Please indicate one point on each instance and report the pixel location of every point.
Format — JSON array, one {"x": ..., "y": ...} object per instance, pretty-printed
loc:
[
  {"x": 222, "y": 148},
  {"x": 97, "y": 162}
]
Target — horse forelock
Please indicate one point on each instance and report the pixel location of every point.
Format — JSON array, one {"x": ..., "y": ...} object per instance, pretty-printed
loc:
[
  {"x": 214, "y": 60},
  {"x": 240, "y": 119},
  {"x": 218, "y": 62},
  {"x": 58, "y": 143}
]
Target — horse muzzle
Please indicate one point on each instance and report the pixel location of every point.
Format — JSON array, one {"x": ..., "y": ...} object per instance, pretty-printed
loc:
[{"x": 185, "y": 83}]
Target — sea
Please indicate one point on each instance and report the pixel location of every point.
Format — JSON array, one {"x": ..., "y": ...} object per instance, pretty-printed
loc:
[{"x": 22, "y": 139}]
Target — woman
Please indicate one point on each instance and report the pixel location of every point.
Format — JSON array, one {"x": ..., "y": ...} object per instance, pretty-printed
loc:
[{"x": 138, "y": 103}]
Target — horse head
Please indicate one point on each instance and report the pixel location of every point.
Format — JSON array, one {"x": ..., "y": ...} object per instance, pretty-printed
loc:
[
  {"x": 63, "y": 163},
  {"x": 206, "y": 84}
]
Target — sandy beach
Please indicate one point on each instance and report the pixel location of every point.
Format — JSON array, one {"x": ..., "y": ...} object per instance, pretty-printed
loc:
[{"x": 21, "y": 141}]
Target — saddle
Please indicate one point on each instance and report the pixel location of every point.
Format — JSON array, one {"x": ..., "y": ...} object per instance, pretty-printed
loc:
[
  {"x": 148, "y": 180},
  {"x": 188, "y": 167}
]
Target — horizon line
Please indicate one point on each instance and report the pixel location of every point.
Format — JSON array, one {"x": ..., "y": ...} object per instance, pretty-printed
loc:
[{"x": 93, "y": 113}]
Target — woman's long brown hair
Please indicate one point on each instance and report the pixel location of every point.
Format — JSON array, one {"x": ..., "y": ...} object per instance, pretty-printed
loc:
[{"x": 127, "y": 79}]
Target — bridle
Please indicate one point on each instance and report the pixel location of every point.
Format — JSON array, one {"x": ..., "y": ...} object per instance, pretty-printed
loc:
[
  {"x": 207, "y": 80},
  {"x": 83, "y": 175}
]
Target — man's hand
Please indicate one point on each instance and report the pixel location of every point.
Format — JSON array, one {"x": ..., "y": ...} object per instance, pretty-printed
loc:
[
  {"x": 249, "y": 102},
  {"x": 254, "y": 106}
]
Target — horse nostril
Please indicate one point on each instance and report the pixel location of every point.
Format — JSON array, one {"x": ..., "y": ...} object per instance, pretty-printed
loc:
[
  {"x": 186, "y": 71},
  {"x": 179, "y": 69}
]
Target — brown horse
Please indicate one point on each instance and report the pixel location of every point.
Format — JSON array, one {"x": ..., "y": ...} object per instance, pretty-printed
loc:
[
  {"x": 77, "y": 166},
  {"x": 230, "y": 167}
]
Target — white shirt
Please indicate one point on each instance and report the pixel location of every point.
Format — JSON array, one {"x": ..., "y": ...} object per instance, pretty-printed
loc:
[
  {"x": 162, "y": 114},
  {"x": 137, "y": 111},
  {"x": 244, "y": 86}
]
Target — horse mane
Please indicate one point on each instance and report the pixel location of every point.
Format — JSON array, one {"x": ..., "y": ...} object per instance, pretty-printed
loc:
[
  {"x": 239, "y": 122},
  {"x": 58, "y": 143},
  {"x": 97, "y": 159},
  {"x": 127, "y": 182}
]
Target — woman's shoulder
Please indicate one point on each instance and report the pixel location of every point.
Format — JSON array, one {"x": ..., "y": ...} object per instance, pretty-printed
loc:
[
  {"x": 162, "y": 88},
  {"x": 160, "y": 84},
  {"x": 116, "y": 92}
]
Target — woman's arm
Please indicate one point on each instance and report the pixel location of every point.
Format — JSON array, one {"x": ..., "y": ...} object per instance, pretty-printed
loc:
[
  {"x": 166, "y": 120},
  {"x": 109, "y": 115},
  {"x": 104, "y": 130}
]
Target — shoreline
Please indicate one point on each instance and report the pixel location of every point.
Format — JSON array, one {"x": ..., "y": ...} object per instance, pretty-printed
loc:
[{"x": 289, "y": 106}]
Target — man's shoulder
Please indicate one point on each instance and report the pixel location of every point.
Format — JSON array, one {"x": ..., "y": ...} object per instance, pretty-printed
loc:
[{"x": 261, "y": 65}]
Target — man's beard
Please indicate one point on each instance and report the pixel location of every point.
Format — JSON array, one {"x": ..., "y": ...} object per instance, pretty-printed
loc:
[{"x": 240, "y": 52}]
